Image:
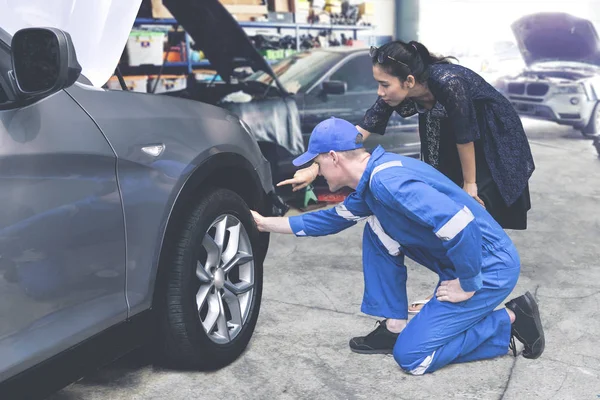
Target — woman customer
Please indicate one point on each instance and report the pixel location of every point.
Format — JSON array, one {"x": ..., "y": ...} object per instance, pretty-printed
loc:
[{"x": 469, "y": 131}]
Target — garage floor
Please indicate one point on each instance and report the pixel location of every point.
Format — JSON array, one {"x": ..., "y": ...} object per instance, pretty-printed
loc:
[{"x": 311, "y": 302}]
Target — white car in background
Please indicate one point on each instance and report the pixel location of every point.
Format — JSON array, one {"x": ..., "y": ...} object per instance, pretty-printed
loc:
[{"x": 561, "y": 82}]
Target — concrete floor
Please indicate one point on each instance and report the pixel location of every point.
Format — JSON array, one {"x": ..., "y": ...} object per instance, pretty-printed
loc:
[{"x": 312, "y": 295}]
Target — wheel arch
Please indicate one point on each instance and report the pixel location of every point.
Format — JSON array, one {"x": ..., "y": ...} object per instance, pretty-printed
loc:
[{"x": 223, "y": 170}]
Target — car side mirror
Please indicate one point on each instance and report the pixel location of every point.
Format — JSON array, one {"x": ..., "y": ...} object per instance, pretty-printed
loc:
[
  {"x": 334, "y": 87},
  {"x": 44, "y": 61}
]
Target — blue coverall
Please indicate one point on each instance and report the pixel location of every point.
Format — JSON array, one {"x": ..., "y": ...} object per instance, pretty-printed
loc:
[{"x": 414, "y": 210}]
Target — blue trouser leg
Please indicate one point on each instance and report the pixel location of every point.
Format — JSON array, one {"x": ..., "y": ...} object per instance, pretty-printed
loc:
[
  {"x": 444, "y": 333},
  {"x": 385, "y": 280}
]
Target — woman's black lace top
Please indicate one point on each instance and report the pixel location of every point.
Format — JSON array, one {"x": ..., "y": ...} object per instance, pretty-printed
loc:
[{"x": 467, "y": 109}]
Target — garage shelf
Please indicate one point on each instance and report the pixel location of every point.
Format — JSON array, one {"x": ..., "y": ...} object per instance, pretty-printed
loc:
[
  {"x": 179, "y": 67},
  {"x": 188, "y": 66},
  {"x": 273, "y": 25}
]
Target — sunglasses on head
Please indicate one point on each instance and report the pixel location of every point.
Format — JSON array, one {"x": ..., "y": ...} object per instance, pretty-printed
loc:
[{"x": 374, "y": 52}]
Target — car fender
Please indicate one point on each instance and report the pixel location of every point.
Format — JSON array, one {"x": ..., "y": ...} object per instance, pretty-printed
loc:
[{"x": 169, "y": 149}]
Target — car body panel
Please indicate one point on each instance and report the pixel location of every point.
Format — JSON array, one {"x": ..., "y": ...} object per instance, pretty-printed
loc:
[
  {"x": 87, "y": 203},
  {"x": 62, "y": 242},
  {"x": 191, "y": 133}
]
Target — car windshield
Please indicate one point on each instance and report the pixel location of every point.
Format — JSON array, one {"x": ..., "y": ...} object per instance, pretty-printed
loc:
[{"x": 300, "y": 71}]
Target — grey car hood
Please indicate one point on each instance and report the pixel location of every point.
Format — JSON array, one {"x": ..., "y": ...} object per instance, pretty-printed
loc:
[
  {"x": 556, "y": 37},
  {"x": 99, "y": 29}
]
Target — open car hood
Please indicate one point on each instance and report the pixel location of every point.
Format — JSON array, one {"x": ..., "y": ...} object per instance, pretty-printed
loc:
[
  {"x": 556, "y": 37},
  {"x": 218, "y": 35},
  {"x": 100, "y": 30}
]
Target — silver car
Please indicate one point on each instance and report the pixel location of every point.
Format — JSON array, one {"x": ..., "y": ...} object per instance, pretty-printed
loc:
[
  {"x": 562, "y": 80},
  {"x": 124, "y": 221}
]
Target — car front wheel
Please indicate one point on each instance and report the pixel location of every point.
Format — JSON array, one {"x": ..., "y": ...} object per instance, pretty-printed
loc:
[{"x": 213, "y": 284}]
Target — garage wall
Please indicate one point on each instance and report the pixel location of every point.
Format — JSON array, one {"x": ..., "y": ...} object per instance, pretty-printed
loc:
[
  {"x": 384, "y": 20},
  {"x": 384, "y": 17}
]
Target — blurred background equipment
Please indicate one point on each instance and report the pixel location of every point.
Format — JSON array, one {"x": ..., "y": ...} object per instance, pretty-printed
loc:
[
  {"x": 316, "y": 64},
  {"x": 254, "y": 58}
]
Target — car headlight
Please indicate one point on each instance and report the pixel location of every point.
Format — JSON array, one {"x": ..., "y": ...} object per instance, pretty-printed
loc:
[{"x": 567, "y": 89}]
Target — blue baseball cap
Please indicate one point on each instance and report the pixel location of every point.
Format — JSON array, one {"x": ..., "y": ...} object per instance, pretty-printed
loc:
[{"x": 332, "y": 134}]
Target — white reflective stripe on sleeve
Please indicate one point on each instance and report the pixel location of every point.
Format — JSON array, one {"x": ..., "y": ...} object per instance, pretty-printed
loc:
[
  {"x": 422, "y": 368},
  {"x": 343, "y": 212},
  {"x": 383, "y": 166},
  {"x": 301, "y": 233},
  {"x": 456, "y": 224},
  {"x": 390, "y": 244}
]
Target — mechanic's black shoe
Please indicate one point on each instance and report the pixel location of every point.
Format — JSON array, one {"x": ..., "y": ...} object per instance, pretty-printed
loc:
[
  {"x": 380, "y": 341},
  {"x": 527, "y": 327}
]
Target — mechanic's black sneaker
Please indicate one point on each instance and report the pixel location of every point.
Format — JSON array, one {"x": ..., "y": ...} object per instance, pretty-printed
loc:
[
  {"x": 527, "y": 327},
  {"x": 380, "y": 341}
]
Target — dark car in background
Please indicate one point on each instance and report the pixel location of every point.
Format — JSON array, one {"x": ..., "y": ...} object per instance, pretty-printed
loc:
[{"x": 336, "y": 81}]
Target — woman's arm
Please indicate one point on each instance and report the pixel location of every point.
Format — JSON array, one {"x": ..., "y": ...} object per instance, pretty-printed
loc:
[
  {"x": 466, "y": 152},
  {"x": 376, "y": 118},
  {"x": 454, "y": 94}
]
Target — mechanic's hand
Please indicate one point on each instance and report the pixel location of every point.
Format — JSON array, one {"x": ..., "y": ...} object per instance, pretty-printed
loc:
[
  {"x": 258, "y": 219},
  {"x": 452, "y": 292},
  {"x": 302, "y": 178},
  {"x": 471, "y": 189}
]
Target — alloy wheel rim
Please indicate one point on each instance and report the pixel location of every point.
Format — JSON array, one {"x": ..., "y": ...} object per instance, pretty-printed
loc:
[{"x": 225, "y": 271}]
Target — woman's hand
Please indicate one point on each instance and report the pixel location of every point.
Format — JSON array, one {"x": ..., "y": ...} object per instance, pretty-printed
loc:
[
  {"x": 452, "y": 292},
  {"x": 471, "y": 189},
  {"x": 302, "y": 178}
]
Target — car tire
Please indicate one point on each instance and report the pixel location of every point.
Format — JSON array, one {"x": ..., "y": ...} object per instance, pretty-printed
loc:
[
  {"x": 592, "y": 129},
  {"x": 207, "y": 312},
  {"x": 597, "y": 145}
]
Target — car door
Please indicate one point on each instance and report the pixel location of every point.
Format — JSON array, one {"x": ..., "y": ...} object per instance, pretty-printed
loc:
[
  {"x": 401, "y": 135},
  {"x": 62, "y": 243}
]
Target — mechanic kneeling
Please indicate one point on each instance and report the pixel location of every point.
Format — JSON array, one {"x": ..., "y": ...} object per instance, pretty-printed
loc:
[{"x": 414, "y": 210}]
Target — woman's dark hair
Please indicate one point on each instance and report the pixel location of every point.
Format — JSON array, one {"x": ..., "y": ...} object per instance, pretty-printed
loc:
[{"x": 402, "y": 59}]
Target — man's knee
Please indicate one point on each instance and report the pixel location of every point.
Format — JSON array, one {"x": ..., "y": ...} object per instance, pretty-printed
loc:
[
  {"x": 405, "y": 352},
  {"x": 410, "y": 358}
]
